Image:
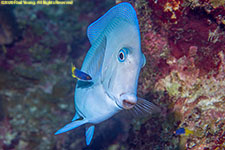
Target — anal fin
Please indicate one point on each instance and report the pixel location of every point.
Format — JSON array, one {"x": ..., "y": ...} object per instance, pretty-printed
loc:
[{"x": 89, "y": 134}]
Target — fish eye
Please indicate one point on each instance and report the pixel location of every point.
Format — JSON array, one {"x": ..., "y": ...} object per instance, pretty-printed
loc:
[{"x": 122, "y": 54}]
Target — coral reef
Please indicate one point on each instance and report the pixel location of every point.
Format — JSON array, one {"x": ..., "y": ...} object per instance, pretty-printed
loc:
[{"x": 184, "y": 46}]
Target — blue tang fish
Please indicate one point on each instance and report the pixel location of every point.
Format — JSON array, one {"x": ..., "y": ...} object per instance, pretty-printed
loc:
[{"x": 113, "y": 63}]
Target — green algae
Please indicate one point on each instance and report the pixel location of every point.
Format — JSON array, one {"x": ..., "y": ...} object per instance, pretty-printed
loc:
[{"x": 173, "y": 88}]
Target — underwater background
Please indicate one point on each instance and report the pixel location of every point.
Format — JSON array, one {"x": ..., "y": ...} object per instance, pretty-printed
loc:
[{"x": 184, "y": 45}]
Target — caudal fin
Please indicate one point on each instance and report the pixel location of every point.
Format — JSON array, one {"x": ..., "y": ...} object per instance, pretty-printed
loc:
[{"x": 71, "y": 126}]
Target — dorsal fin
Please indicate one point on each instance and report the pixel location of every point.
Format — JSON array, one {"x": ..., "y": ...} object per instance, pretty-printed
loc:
[{"x": 123, "y": 11}]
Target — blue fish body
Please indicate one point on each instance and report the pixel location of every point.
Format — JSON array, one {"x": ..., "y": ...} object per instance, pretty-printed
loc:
[
  {"x": 184, "y": 131},
  {"x": 180, "y": 131},
  {"x": 113, "y": 63},
  {"x": 80, "y": 75}
]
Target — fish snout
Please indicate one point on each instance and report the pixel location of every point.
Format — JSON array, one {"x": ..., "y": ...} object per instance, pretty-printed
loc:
[{"x": 128, "y": 100}]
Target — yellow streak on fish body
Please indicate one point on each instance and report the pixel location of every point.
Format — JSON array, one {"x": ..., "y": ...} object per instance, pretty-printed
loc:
[
  {"x": 188, "y": 132},
  {"x": 73, "y": 68}
]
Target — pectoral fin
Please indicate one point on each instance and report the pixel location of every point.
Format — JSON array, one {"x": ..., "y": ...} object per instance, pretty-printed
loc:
[
  {"x": 71, "y": 126},
  {"x": 89, "y": 134},
  {"x": 143, "y": 108},
  {"x": 93, "y": 61}
]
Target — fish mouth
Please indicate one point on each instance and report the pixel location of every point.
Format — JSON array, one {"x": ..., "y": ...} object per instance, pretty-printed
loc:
[{"x": 128, "y": 104}]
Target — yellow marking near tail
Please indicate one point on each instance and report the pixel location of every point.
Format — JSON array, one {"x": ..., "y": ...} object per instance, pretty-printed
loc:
[
  {"x": 79, "y": 74},
  {"x": 73, "y": 68},
  {"x": 188, "y": 132}
]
